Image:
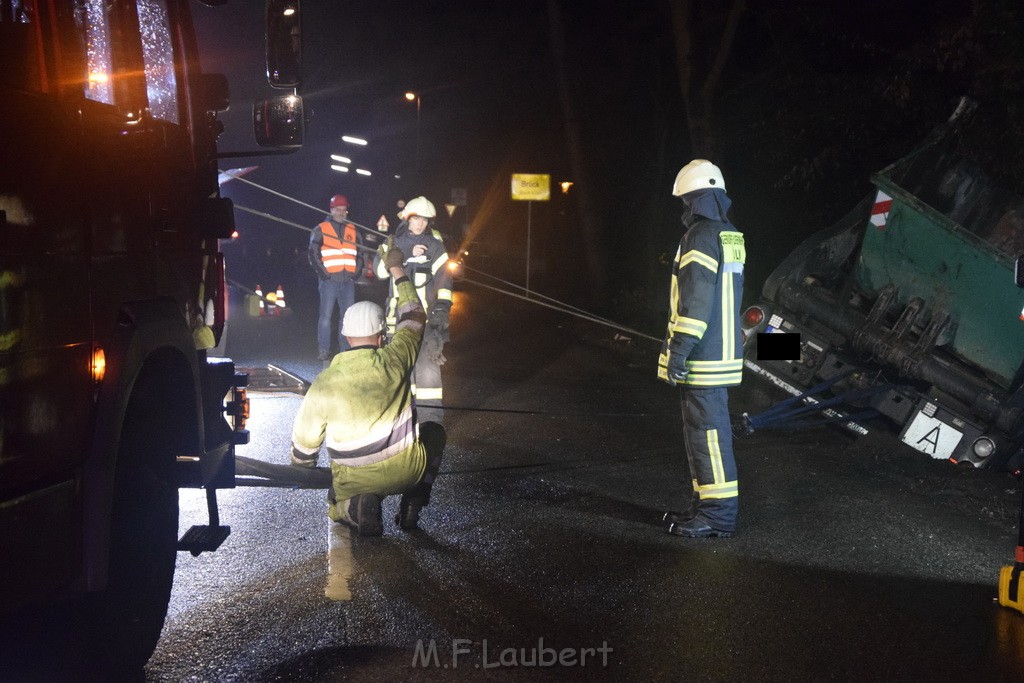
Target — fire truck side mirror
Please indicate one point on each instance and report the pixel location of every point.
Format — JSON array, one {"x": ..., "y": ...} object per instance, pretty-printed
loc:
[
  {"x": 284, "y": 43},
  {"x": 279, "y": 122},
  {"x": 1018, "y": 271}
]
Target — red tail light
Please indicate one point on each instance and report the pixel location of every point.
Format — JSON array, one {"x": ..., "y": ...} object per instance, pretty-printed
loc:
[{"x": 753, "y": 316}]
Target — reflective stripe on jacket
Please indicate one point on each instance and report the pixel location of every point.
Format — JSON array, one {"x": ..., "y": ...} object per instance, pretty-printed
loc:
[
  {"x": 338, "y": 253},
  {"x": 704, "y": 300}
]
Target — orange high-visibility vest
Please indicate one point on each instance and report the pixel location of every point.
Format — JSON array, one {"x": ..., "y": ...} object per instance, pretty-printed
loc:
[{"x": 338, "y": 255}]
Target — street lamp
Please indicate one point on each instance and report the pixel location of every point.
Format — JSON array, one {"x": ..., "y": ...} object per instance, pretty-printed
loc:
[{"x": 410, "y": 96}]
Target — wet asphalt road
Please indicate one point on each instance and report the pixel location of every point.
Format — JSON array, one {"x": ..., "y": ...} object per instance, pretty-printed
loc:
[{"x": 856, "y": 559}]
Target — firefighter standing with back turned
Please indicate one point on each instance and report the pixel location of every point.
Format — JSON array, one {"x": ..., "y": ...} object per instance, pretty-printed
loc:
[
  {"x": 703, "y": 349},
  {"x": 362, "y": 407},
  {"x": 334, "y": 255},
  {"x": 426, "y": 261}
]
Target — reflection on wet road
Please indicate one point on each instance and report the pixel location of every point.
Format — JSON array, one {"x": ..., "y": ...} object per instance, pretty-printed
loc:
[
  {"x": 339, "y": 561},
  {"x": 856, "y": 559}
]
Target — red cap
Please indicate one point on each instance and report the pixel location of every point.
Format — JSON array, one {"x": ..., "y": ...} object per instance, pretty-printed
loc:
[{"x": 339, "y": 200}]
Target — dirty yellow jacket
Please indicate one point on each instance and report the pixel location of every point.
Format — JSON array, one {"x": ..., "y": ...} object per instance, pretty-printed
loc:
[{"x": 361, "y": 406}]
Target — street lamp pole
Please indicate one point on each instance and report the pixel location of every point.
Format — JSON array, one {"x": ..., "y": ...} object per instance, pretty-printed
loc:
[{"x": 410, "y": 96}]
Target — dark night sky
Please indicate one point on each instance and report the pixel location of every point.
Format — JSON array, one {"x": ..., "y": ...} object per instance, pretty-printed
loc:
[
  {"x": 483, "y": 73},
  {"x": 814, "y": 97}
]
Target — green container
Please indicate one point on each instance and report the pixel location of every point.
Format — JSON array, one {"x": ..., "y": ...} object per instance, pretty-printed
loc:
[{"x": 927, "y": 254}]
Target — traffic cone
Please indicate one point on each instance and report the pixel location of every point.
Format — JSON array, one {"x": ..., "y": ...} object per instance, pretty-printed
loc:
[
  {"x": 280, "y": 298},
  {"x": 263, "y": 307}
]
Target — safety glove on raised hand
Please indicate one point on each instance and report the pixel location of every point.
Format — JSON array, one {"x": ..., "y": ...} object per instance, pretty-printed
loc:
[{"x": 391, "y": 255}]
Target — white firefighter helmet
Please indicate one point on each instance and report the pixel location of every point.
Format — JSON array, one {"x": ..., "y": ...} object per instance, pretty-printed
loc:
[
  {"x": 419, "y": 206},
  {"x": 699, "y": 174},
  {"x": 363, "y": 319}
]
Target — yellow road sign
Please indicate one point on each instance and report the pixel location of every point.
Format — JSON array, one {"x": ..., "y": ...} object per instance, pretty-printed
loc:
[{"x": 534, "y": 187}]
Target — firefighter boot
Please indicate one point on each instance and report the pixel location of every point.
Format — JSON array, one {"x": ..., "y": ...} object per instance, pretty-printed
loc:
[
  {"x": 714, "y": 518},
  {"x": 434, "y": 438},
  {"x": 364, "y": 514},
  {"x": 673, "y": 517},
  {"x": 698, "y": 527}
]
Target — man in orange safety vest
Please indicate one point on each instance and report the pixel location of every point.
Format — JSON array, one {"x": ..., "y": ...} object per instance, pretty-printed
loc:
[{"x": 334, "y": 255}]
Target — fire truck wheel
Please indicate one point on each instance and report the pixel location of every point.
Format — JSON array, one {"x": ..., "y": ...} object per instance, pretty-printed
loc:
[{"x": 129, "y": 615}]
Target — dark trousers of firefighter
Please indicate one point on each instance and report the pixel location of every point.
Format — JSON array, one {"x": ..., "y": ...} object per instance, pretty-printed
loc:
[
  {"x": 707, "y": 431},
  {"x": 426, "y": 377},
  {"x": 338, "y": 294},
  {"x": 433, "y": 438},
  {"x": 430, "y": 417}
]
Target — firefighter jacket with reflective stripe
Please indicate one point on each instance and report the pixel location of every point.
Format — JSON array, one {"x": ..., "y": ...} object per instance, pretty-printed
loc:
[
  {"x": 428, "y": 271},
  {"x": 333, "y": 250},
  {"x": 704, "y": 299},
  {"x": 362, "y": 406}
]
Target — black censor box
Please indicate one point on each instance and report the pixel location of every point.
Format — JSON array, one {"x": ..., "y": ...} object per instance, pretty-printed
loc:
[{"x": 778, "y": 346}]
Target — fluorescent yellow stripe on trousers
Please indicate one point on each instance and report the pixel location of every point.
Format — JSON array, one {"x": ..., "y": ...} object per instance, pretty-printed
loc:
[
  {"x": 716, "y": 456},
  {"x": 720, "y": 488},
  {"x": 727, "y": 490},
  {"x": 428, "y": 394}
]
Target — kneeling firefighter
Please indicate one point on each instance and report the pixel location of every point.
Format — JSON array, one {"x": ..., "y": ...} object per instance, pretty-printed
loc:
[{"x": 363, "y": 408}]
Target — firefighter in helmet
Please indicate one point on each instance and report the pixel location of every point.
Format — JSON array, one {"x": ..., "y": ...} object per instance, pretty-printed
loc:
[
  {"x": 426, "y": 261},
  {"x": 362, "y": 408},
  {"x": 703, "y": 350},
  {"x": 334, "y": 256}
]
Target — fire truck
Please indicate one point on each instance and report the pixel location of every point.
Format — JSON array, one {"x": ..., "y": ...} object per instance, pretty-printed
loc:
[{"x": 112, "y": 292}]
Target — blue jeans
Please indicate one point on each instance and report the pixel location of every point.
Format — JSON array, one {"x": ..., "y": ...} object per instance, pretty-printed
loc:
[{"x": 333, "y": 293}]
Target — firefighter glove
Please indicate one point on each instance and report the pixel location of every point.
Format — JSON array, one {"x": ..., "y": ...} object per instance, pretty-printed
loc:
[
  {"x": 438, "y": 320},
  {"x": 391, "y": 255},
  {"x": 432, "y": 347},
  {"x": 677, "y": 370}
]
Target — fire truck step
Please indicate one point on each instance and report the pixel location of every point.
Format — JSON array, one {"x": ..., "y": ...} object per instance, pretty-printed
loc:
[{"x": 203, "y": 538}]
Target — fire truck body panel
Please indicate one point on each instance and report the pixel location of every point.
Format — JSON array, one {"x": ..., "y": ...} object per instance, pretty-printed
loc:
[{"x": 109, "y": 227}]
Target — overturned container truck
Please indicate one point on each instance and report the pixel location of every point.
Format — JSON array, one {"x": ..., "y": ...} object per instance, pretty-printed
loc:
[{"x": 908, "y": 308}]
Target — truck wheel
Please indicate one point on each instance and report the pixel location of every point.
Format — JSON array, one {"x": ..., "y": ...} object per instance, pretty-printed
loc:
[
  {"x": 129, "y": 615},
  {"x": 108, "y": 636}
]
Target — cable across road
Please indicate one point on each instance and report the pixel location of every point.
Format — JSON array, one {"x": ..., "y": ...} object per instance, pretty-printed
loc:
[{"x": 529, "y": 296}]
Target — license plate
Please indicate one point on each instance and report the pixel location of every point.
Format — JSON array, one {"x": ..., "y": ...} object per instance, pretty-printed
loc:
[{"x": 932, "y": 436}]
